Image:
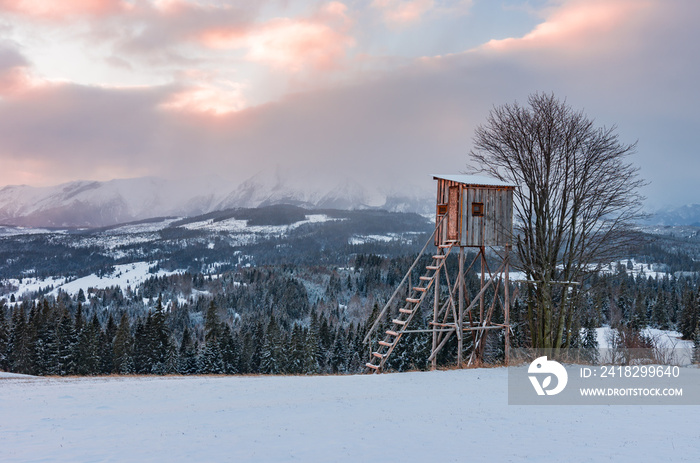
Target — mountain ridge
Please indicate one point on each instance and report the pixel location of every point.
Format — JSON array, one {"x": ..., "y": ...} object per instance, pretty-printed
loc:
[{"x": 94, "y": 204}]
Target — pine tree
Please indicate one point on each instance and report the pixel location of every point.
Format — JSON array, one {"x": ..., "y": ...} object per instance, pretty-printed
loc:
[
  {"x": 212, "y": 361},
  {"x": 159, "y": 342},
  {"x": 230, "y": 351},
  {"x": 65, "y": 336},
  {"x": 339, "y": 355},
  {"x": 269, "y": 358},
  {"x": 89, "y": 348},
  {"x": 589, "y": 344},
  {"x": 187, "y": 362},
  {"x": 690, "y": 314},
  {"x": 4, "y": 338},
  {"x": 107, "y": 346},
  {"x": 211, "y": 323},
  {"x": 312, "y": 353},
  {"x": 18, "y": 346},
  {"x": 296, "y": 350},
  {"x": 659, "y": 314},
  {"x": 123, "y": 344}
]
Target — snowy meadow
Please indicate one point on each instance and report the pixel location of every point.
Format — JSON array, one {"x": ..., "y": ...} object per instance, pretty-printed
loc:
[{"x": 460, "y": 415}]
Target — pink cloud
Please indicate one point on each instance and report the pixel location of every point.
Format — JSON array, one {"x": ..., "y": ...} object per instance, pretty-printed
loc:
[
  {"x": 319, "y": 42},
  {"x": 212, "y": 98},
  {"x": 400, "y": 12},
  {"x": 578, "y": 25},
  {"x": 54, "y": 9},
  {"x": 14, "y": 81}
]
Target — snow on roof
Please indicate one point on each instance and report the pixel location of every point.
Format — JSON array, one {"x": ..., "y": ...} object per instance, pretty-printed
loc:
[{"x": 477, "y": 180}]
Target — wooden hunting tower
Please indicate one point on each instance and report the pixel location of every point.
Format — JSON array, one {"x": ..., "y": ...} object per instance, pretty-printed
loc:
[
  {"x": 479, "y": 211},
  {"x": 471, "y": 212}
]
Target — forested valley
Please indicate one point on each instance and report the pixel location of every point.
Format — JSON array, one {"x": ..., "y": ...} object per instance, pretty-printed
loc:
[{"x": 298, "y": 302}]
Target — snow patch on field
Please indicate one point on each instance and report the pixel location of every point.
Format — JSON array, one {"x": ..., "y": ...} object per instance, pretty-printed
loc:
[
  {"x": 389, "y": 237},
  {"x": 123, "y": 275},
  {"x": 241, "y": 226},
  {"x": 681, "y": 350},
  {"x": 17, "y": 231},
  {"x": 387, "y": 417}
]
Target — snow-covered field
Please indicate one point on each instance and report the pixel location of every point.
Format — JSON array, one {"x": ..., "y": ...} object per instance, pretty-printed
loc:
[
  {"x": 241, "y": 226},
  {"x": 631, "y": 266},
  {"x": 455, "y": 416},
  {"x": 123, "y": 276},
  {"x": 398, "y": 237},
  {"x": 669, "y": 342}
]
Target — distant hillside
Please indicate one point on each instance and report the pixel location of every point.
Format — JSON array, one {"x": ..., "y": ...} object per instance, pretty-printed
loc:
[
  {"x": 688, "y": 215},
  {"x": 84, "y": 204}
]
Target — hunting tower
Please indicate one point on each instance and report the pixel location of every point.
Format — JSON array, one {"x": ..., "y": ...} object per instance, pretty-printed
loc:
[{"x": 471, "y": 212}]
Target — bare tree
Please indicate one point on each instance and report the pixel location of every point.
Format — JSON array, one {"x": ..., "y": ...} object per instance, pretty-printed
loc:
[{"x": 577, "y": 197}]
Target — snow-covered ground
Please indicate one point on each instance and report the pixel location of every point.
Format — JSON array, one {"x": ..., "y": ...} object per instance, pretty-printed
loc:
[
  {"x": 452, "y": 416},
  {"x": 123, "y": 275},
  {"x": 669, "y": 341},
  {"x": 15, "y": 231},
  {"x": 632, "y": 267},
  {"x": 398, "y": 237},
  {"x": 241, "y": 226}
]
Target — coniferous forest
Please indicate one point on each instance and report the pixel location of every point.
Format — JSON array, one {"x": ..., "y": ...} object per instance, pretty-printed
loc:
[
  {"x": 286, "y": 320},
  {"x": 294, "y": 303}
]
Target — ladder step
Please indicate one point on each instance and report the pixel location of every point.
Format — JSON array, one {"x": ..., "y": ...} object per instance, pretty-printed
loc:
[
  {"x": 399, "y": 322},
  {"x": 426, "y": 278},
  {"x": 445, "y": 246},
  {"x": 384, "y": 343},
  {"x": 372, "y": 366},
  {"x": 412, "y": 300},
  {"x": 405, "y": 310},
  {"x": 378, "y": 355},
  {"x": 392, "y": 333},
  {"x": 439, "y": 256},
  {"x": 432, "y": 267},
  {"x": 420, "y": 288}
]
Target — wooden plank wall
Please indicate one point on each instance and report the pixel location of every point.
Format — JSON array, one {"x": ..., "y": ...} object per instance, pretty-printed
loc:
[
  {"x": 496, "y": 226},
  {"x": 450, "y": 228}
]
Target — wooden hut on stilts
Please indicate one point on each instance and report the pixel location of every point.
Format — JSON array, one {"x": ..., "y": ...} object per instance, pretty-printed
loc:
[{"x": 473, "y": 212}]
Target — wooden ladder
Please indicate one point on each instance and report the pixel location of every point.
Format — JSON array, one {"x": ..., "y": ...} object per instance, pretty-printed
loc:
[{"x": 410, "y": 308}]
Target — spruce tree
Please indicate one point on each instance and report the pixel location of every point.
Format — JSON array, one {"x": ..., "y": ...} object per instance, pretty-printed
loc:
[
  {"x": 690, "y": 314},
  {"x": 65, "y": 337},
  {"x": 269, "y": 358},
  {"x": 18, "y": 345},
  {"x": 4, "y": 338},
  {"x": 187, "y": 361},
  {"x": 123, "y": 347}
]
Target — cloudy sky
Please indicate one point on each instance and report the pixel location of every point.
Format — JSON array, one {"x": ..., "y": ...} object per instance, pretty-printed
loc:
[{"x": 378, "y": 91}]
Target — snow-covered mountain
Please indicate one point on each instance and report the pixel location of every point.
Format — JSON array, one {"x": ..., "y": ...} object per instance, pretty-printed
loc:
[
  {"x": 94, "y": 204},
  {"x": 98, "y": 204},
  {"x": 688, "y": 214}
]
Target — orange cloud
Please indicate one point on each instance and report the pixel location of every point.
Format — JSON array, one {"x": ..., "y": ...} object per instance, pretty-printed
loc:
[
  {"x": 319, "y": 42},
  {"x": 61, "y": 8},
  {"x": 577, "y": 24}
]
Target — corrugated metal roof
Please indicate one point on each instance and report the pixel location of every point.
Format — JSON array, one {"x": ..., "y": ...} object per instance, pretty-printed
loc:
[{"x": 476, "y": 180}]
